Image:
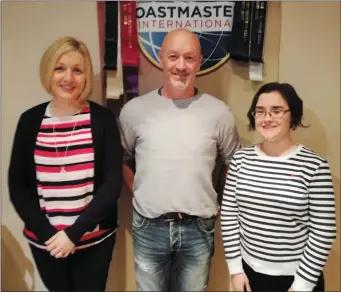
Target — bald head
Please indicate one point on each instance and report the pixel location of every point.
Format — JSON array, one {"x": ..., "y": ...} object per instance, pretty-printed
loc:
[{"x": 181, "y": 35}]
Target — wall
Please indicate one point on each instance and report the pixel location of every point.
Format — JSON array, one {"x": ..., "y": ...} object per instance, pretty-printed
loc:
[
  {"x": 310, "y": 59},
  {"x": 28, "y": 27}
]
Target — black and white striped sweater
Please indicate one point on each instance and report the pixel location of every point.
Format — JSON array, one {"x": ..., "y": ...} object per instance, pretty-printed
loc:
[{"x": 278, "y": 214}]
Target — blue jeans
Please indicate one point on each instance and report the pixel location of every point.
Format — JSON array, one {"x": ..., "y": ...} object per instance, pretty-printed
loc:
[{"x": 172, "y": 255}]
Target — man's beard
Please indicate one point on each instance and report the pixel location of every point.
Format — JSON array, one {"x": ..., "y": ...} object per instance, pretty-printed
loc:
[{"x": 179, "y": 84}]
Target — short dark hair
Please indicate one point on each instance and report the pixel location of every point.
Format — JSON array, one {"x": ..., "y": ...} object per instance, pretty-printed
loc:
[{"x": 290, "y": 95}]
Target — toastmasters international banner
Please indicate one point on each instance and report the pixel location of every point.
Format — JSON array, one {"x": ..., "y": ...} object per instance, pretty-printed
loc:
[{"x": 211, "y": 21}]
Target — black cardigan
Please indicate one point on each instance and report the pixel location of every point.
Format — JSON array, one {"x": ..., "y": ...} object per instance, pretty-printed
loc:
[{"x": 22, "y": 180}]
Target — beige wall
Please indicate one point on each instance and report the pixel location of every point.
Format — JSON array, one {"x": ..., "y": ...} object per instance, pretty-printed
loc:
[
  {"x": 27, "y": 28},
  {"x": 310, "y": 59}
]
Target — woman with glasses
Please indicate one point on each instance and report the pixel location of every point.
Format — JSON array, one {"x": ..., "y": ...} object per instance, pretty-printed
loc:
[{"x": 278, "y": 213}]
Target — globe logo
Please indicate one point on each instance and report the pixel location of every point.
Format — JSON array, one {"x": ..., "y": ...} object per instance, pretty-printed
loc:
[{"x": 211, "y": 21}]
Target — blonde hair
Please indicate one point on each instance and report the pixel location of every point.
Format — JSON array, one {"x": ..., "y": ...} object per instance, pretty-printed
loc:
[{"x": 54, "y": 52}]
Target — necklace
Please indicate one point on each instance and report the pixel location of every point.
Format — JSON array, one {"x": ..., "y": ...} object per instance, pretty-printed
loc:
[{"x": 62, "y": 166}]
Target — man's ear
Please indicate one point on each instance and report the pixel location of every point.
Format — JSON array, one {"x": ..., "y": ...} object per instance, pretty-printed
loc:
[
  {"x": 199, "y": 62},
  {"x": 160, "y": 55}
]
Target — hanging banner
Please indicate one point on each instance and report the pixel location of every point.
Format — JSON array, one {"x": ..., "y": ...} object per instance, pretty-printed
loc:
[
  {"x": 248, "y": 31},
  {"x": 258, "y": 30},
  {"x": 211, "y": 21},
  {"x": 111, "y": 35},
  {"x": 113, "y": 67},
  {"x": 122, "y": 84},
  {"x": 129, "y": 47}
]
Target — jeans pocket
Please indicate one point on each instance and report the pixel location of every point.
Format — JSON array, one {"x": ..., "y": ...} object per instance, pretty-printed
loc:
[
  {"x": 206, "y": 225},
  {"x": 139, "y": 221}
]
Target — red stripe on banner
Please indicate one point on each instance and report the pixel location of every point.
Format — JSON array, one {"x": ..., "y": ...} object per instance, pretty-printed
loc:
[{"x": 129, "y": 45}]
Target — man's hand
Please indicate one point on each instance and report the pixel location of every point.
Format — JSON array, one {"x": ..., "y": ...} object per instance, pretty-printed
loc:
[
  {"x": 290, "y": 290},
  {"x": 59, "y": 245},
  {"x": 240, "y": 281},
  {"x": 128, "y": 177}
]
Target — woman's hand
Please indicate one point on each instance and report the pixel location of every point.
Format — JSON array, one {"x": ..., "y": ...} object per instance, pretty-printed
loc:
[
  {"x": 59, "y": 245},
  {"x": 240, "y": 281}
]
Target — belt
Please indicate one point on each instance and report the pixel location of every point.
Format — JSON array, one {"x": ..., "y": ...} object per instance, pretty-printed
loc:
[{"x": 177, "y": 216}]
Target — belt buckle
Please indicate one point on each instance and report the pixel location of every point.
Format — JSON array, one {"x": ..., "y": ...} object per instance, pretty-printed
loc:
[{"x": 173, "y": 219}]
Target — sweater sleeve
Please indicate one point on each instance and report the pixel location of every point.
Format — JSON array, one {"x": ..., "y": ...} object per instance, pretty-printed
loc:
[
  {"x": 107, "y": 194},
  {"x": 229, "y": 221},
  {"x": 128, "y": 135},
  {"x": 322, "y": 230},
  {"x": 24, "y": 201},
  {"x": 228, "y": 137}
]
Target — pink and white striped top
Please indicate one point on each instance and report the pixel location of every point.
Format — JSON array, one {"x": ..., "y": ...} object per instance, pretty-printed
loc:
[{"x": 64, "y": 158}]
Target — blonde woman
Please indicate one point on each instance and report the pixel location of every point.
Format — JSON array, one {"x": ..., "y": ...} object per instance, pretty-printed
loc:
[{"x": 65, "y": 174}]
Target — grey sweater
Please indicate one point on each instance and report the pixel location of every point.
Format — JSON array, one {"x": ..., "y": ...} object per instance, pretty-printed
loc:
[{"x": 175, "y": 144}]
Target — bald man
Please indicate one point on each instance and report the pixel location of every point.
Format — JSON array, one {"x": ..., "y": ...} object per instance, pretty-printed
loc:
[{"x": 175, "y": 134}]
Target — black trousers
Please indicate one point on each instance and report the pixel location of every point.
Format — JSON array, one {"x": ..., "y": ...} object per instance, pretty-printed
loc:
[
  {"x": 262, "y": 282},
  {"x": 85, "y": 270}
]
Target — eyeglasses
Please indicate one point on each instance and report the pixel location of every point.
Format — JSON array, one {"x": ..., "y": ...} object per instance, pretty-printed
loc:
[{"x": 273, "y": 113}]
